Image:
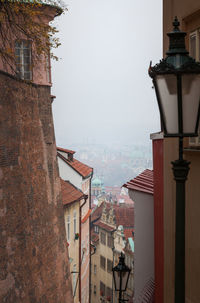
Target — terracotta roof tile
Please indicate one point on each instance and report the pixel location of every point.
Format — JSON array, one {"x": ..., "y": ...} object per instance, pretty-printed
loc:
[
  {"x": 124, "y": 215},
  {"x": 70, "y": 193},
  {"x": 83, "y": 169},
  {"x": 143, "y": 182},
  {"x": 86, "y": 216},
  {"x": 68, "y": 151},
  {"x": 126, "y": 198},
  {"x": 128, "y": 233},
  {"x": 104, "y": 225},
  {"x": 97, "y": 213}
]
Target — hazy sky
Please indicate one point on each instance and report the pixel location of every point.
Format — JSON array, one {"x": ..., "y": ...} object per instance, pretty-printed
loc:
[{"x": 103, "y": 92}]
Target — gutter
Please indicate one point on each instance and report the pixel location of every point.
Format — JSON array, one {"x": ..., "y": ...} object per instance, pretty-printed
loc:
[
  {"x": 80, "y": 258},
  {"x": 90, "y": 238}
]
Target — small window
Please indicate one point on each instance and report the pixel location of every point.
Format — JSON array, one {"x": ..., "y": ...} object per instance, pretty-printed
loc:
[
  {"x": 23, "y": 59},
  {"x": 96, "y": 229},
  {"x": 74, "y": 222},
  {"x": 109, "y": 265},
  {"x": 102, "y": 289},
  {"x": 103, "y": 238},
  {"x": 102, "y": 262},
  {"x": 68, "y": 227},
  {"x": 110, "y": 241},
  {"x": 48, "y": 68},
  {"x": 95, "y": 289},
  {"x": 95, "y": 269}
]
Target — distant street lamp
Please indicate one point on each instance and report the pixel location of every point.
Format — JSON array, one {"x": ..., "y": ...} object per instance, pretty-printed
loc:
[
  {"x": 177, "y": 84},
  {"x": 121, "y": 274}
]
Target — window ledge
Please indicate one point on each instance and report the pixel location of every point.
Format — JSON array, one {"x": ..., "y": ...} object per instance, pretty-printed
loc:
[{"x": 192, "y": 149}]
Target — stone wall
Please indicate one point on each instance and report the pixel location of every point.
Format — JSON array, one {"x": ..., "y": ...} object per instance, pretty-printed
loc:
[{"x": 34, "y": 264}]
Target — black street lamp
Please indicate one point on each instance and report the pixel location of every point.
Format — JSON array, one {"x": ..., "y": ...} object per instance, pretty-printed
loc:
[
  {"x": 177, "y": 84},
  {"x": 121, "y": 274}
]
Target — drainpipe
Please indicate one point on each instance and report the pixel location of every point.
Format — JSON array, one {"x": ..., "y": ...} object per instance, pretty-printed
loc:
[
  {"x": 90, "y": 239},
  {"x": 113, "y": 248},
  {"x": 80, "y": 257}
]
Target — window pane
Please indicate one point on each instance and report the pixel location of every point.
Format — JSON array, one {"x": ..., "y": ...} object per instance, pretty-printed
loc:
[
  {"x": 27, "y": 76},
  {"x": 18, "y": 44},
  {"x": 26, "y": 44},
  {"x": 102, "y": 289},
  {"x": 26, "y": 52},
  {"x": 102, "y": 262},
  {"x": 109, "y": 265},
  {"x": 23, "y": 59}
]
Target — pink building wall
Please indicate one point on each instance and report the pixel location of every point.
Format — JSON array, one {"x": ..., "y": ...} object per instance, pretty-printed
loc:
[
  {"x": 41, "y": 69},
  {"x": 157, "y": 141}
]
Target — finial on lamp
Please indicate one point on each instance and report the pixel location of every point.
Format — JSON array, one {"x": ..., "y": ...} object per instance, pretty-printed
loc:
[{"x": 176, "y": 24}]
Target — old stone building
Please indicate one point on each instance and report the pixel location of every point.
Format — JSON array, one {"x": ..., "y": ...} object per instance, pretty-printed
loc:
[
  {"x": 34, "y": 257},
  {"x": 109, "y": 225},
  {"x": 80, "y": 175}
]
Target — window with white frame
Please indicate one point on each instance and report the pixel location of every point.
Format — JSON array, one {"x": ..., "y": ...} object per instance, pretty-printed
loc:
[
  {"x": 48, "y": 68},
  {"x": 96, "y": 229},
  {"x": 194, "y": 45},
  {"x": 23, "y": 59},
  {"x": 74, "y": 219},
  {"x": 68, "y": 227},
  {"x": 74, "y": 280}
]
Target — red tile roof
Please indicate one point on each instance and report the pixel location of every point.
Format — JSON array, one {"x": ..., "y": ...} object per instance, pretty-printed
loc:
[
  {"x": 124, "y": 215},
  {"x": 81, "y": 168},
  {"x": 128, "y": 233},
  {"x": 86, "y": 216},
  {"x": 143, "y": 182},
  {"x": 97, "y": 213},
  {"x": 148, "y": 292},
  {"x": 68, "y": 151},
  {"x": 70, "y": 193},
  {"x": 104, "y": 225},
  {"x": 126, "y": 199}
]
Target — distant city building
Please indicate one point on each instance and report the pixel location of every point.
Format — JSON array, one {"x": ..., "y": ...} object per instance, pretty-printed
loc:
[
  {"x": 97, "y": 187},
  {"x": 111, "y": 226},
  {"x": 73, "y": 201},
  {"x": 79, "y": 175}
]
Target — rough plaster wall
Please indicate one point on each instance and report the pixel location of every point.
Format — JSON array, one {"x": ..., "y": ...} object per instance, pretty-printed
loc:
[{"x": 34, "y": 258}]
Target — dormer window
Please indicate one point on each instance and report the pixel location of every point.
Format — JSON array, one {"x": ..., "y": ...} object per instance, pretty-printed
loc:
[
  {"x": 96, "y": 229},
  {"x": 23, "y": 59}
]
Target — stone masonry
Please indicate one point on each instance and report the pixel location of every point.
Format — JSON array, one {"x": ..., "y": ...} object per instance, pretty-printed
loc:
[{"x": 34, "y": 266}]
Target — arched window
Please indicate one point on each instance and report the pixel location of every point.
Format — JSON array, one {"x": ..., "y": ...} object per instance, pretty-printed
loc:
[{"x": 23, "y": 59}]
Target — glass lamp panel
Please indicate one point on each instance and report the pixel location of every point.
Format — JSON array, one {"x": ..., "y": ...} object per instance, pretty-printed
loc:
[
  {"x": 124, "y": 280},
  {"x": 167, "y": 88},
  {"x": 117, "y": 279},
  {"x": 190, "y": 101}
]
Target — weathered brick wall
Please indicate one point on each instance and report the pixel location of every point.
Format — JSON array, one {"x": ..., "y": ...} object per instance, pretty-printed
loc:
[{"x": 34, "y": 258}]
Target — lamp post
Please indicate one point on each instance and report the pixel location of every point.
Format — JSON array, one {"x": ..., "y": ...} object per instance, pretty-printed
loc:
[
  {"x": 177, "y": 85},
  {"x": 121, "y": 274}
]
